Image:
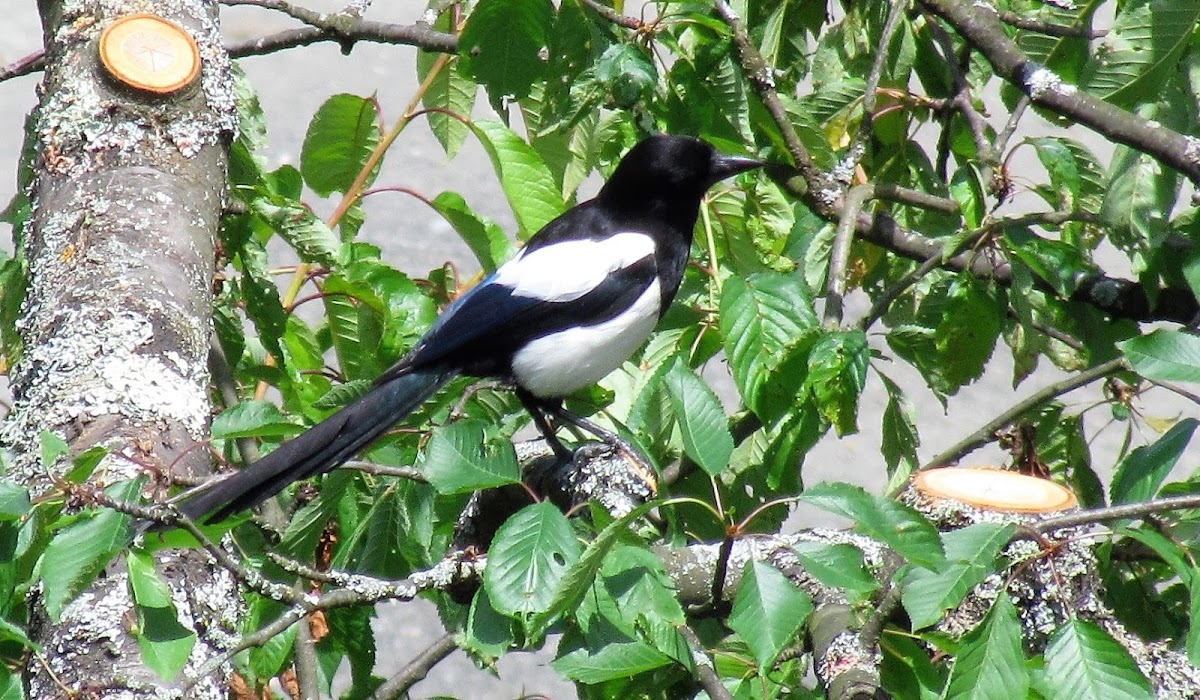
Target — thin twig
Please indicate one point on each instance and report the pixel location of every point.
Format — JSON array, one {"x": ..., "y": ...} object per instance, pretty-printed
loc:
[
  {"x": 839, "y": 256},
  {"x": 987, "y": 433},
  {"x": 1123, "y": 512},
  {"x": 354, "y": 589},
  {"x": 1070, "y": 341},
  {"x": 1010, "y": 127},
  {"x": 755, "y": 67},
  {"x": 410, "y": 473},
  {"x": 416, "y": 670},
  {"x": 169, "y": 516},
  {"x": 722, "y": 569},
  {"x": 872, "y": 629},
  {"x": 858, "y": 146},
  {"x": 1048, "y": 28},
  {"x": 304, "y": 660},
  {"x": 892, "y": 192},
  {"x": 1177, "y": 390},
  {"x": 962, "y": 97},
  {"x": 32, "y": 63},
  {"x": 706, "y": 669},
  {"x": 613, "y": 16}
]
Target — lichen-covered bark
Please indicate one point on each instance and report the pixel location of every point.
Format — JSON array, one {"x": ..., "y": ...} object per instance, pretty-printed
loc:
[{"x": 126, "y": 200}]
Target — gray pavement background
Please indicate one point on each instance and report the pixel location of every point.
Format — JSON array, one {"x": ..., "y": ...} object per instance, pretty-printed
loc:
[{"x": 293, "y": 84}]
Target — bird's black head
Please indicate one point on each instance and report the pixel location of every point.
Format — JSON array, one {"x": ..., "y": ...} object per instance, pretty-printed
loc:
[{"x": 675, "y": 170}]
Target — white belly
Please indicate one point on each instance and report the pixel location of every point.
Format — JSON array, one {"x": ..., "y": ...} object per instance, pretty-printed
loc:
[{"x": 562, "y": 363}]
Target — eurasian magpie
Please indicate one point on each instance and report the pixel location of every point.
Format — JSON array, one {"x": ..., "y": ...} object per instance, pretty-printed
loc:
[{"x": 581, "y": 296}]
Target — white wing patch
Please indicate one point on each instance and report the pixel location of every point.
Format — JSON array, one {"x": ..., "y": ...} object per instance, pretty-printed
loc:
[{"x": 567, "y": 270}]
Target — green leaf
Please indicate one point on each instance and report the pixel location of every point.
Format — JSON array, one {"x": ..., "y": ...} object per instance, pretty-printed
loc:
[
  {"x": 527, "y": 182},
  {"x": 1141, "y": 50},
  {"x": 768, "y": 612},
  {"x": 78, "y": 552},
  {"x": 578, "y": 579},
  {"x": 10, "y": 632},
  {"x": 149, "y": 590},
  {"x": 450, "y": 91},
  {"x": 14, "y": 501},
  {"x": 10, "y": 686},
  {"x": 896, "y": 525},
  {"x": 263, "y": 306},
  {"x": 765, "y": 320},
  {"x": 530, "y": 555},
  {"x": 1084, "y": 663},
  {"x": 253, "y": 418},
  {"x": 350, "y": 632},
  {"x": 85, "y": 463},
  {"x": 908, "y": 672},
  {"x": 354, "y": 327},
  {"x": 1061, "y": 264},
  {"x": 456, "y": 460},
  {"x": 990, "y": 664},
  {"x": 1164, "y": 355},
  {"x": 267, "y": 660},
  {"x": 501, "y": 43},
  {"x": 970, "y": 555},
  {"x": 484, "y": 236},
  {"x": 312, "y": 240},
  {"x": 612, "y": 660},
  {"x": 1076, "y": 179},
  {"x": 966, "y": 332},
  {"x": 166, "y": 645},
  {"x": 838, "y": 566},
  {"x": 53, "y": 448},
  {"x": 966, "y": 188},
  {"x": 628, "y": 73},
  {"x": 837, "y": 372},
  {"x": 340, "y": 139},
  {"x": 900, "y": 438},
  {"x": 1140, "y": 195},
  {"x": 706, "y": 436},
  {"x": 341, "y": 394},
  {"x": 1139, "y": 476},
  {"x": 488, "y": 632}
]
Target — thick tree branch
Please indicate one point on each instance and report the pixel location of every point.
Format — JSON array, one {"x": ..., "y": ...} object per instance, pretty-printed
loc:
[
  {"x": 419, "y": 35},
  {"x": 345, "y": 33},
  {"x": 1119, "y": 298}
]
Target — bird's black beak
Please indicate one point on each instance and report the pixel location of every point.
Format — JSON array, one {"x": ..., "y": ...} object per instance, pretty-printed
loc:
[{"x": 724, "y": 166}]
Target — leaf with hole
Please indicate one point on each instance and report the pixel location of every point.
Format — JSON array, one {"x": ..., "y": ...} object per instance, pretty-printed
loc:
[{"x": 530, "y": 555}]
